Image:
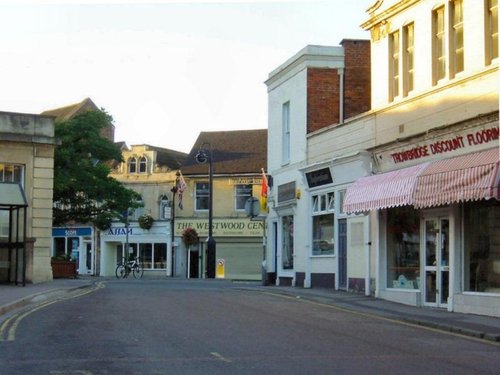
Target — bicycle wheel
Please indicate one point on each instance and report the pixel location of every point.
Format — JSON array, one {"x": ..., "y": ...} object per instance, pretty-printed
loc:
[
  {"x": 138, "y": 271},
  {"x": 120, "y": 271}
]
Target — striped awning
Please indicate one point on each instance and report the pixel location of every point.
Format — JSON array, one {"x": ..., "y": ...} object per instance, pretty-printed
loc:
[
  {"x": 459, "y": 179},
  {"x": 391, "y": 189}
]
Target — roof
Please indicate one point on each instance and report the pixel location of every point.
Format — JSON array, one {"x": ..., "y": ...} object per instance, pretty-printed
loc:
[
  {"x": 233, "y": 152},
  {"x": 169, "y": 158},
  {"x": 67, "y": 112}
]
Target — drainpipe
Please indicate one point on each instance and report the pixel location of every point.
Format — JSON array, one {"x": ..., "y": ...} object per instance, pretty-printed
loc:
[{"x": 341, "y": 95}]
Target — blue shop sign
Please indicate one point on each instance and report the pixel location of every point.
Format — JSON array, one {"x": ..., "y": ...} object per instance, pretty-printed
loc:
[{"x": 71, "y": 232}]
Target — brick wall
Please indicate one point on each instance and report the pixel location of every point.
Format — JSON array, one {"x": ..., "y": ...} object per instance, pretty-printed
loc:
[
  {"x": 322, "y": 98},
  {"x": 357, "y": 89}
]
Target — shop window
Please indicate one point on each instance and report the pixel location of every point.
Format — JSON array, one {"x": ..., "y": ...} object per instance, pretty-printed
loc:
[
  {"x": 403, "y": 248},
  {"x": 241, "y": 195},
  {"x": 287, "y": 242},
  {"x": 160, "y": 256},
  {"x": 323, "y": 224},
  {"x": 491, "y": 29},
  {"x": 202, "y": 196},
  {"x": 143, "y": 164},
  {"x": 146, "y": 255},
  {"x": 482, "y": 246}
]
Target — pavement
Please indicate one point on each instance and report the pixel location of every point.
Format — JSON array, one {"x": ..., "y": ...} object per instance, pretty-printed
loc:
[{"x": 13, "y": 297}]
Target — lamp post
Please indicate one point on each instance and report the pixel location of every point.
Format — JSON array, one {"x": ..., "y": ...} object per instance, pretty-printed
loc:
[
  {"x": 172, "y": 229},
  {"x": 202, "y": 157}
]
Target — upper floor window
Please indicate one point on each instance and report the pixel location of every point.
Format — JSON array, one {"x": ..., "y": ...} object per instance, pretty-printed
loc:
[
  {"x": 11, "y": 173},
  {"x": 491, "y": 26},
  {"x": 139, "y": 210},
  {"x": 438, "y": 45},
  {"x": 394, "y": 65},
  {"x": 202, "y": 194},
  {"x": 408, "y": 60},
  {"x": 241, "y": 195},
  {"x": 457, "y": 38},
  {"x": 323, "y": 237},
  {"x": 285, "y": 126},
  {"x": 132, "y": 165},
  {"x": 143, "y": 164},
  {"x": 165, "y": 210}
]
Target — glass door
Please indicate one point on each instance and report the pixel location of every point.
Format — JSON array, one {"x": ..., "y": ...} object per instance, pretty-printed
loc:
[{"x": 437, "y": 257}]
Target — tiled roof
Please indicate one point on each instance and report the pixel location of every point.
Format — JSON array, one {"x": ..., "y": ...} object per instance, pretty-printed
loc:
[
  {"x": 67, "y": 112},
  {"x": 169, "y": 158},
  {"x": 234, "y": 152}
]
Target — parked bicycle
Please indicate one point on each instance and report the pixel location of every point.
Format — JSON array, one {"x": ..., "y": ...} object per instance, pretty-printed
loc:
[{"x": 124, "y": 268}]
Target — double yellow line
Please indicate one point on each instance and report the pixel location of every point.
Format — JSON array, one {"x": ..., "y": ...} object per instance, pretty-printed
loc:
[{"x": 9, "y": 326}]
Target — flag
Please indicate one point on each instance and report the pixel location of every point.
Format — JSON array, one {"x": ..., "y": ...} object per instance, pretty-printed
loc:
[
  {"x": 263, "y": 193},
  {"x": 181, "y": 186}
]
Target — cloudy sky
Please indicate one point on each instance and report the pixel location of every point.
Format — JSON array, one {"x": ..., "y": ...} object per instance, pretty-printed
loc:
[{"x": 165, "y": 70}]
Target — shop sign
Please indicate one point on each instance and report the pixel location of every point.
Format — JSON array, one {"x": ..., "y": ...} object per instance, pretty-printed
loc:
[
  {"x": 286, "y": 192},
  {"x": 245, "y": 181},
  {"x": 221, "y": 227},
  {"x": 465, "y": 141},
  {"x": 319, "y": 178},
  {"x": 71, "y": 232}
]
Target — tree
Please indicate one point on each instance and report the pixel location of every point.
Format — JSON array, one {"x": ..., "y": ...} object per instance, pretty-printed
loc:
[{"x": 83, "y": 190}]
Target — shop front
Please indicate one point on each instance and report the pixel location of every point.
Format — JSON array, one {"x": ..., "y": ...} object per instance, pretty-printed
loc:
[
  {"x": 239, "y": 248},
  {"x": 76, "y": 243},
  {"x": 152, "y": 246},
  {"x": 436, "y": 222}
]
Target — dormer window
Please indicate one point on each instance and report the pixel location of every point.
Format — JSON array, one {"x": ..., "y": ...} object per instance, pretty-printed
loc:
[
  {"x": 143, "y": 163},
  {"x": 132, "y": 165}
]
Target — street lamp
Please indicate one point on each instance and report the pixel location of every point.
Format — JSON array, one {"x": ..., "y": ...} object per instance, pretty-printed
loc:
[
  {"x": 201, "y": 158},
  {"x": 172, "y": 229}
]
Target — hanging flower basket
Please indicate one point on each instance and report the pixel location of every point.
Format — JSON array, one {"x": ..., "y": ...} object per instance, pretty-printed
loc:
[
  {"x": 190, "y": 237},
  {"x": 146, "y": 221}
]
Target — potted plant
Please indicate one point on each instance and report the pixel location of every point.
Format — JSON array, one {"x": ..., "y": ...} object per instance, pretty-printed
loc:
[
  {"x": 190, "y": 237},
  {"x": 63, "y": 266},
  {"x": 146, "y": 221}
]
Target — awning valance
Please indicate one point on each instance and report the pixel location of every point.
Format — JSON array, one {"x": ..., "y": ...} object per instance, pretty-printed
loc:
[{"x": 463, "y": 178}]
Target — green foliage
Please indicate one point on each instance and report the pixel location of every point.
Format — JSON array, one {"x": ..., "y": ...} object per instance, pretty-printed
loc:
[
  {"x": 190, "y": 237},
  {"x": 146, "y": 221},
  {"x": 83, "y": 190}
]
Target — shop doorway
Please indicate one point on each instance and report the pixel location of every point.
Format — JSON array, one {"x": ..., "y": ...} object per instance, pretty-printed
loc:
[
  {"x": 89, "y": 258},
  {"x": 193, "y": 264},
  {"x": 342, "y": 254},
  {"x": 436, "y": 287}
]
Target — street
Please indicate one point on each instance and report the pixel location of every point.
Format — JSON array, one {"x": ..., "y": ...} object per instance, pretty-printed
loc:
[{"x": 214, "y": 327}]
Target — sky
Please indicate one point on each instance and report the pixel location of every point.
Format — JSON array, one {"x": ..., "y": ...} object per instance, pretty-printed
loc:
[{"x": 164, "y": 70}]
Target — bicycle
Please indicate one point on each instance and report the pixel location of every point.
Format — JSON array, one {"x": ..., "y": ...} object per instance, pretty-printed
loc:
[{"x": 123, "y": 269}]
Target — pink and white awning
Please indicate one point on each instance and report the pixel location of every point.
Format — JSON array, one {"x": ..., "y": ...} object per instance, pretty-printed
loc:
[{"x": 463, "y": 178}]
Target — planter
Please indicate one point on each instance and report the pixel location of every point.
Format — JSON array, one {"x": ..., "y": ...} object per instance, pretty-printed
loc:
[{"x": 63, "y": 269}]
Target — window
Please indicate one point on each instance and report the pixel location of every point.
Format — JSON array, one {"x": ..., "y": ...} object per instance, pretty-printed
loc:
[
  {"x": 143, "y": 164},
  {"x": 160, "y": 256},
  {"x": 394, "y": 65},
  {"x": 482, "y": 246},
  {"x": 146, "y": 254},
  {"x": 323, "y": 224},
  {"x": 132, "y": 165},
  {"x": 287, "y": 242},
  {"x": 491, "y": 30},
  {"x": 151, "y": 255},
  {"x": 408, "y": 60},
  {"x": 202, "y": 196},
  {"x": 165, "y": 210},
  {"x": 438, "y": 45},
  {"x": 457, "y": 37},
  {"x": 285, "y": 133},
  {"x": 9, "y": 173},
  {"x": 242, "y": 193},
  {"x": 403, "y": 248},
  {"x": 139, "y": 210}
]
